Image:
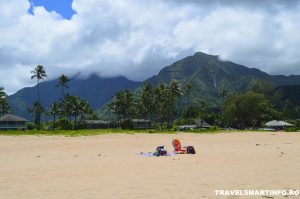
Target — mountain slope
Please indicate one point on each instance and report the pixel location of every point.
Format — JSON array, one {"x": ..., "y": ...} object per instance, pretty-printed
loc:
[
  {"x": 97, "y": 91},
  {"x": 208, "y": 75},
  {"x": 291, "y": 93}
]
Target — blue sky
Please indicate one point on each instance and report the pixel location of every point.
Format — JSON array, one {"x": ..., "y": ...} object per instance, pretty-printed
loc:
[{"x": 63, "y": 7}]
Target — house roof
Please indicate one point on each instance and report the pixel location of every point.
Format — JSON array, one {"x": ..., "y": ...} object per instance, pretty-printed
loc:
[
  {"x": 201, "y": 123},
  {"x": 275, "y": 123},
  {"x": 12, "y": 118},
  {"x": 96, "y": 122}
]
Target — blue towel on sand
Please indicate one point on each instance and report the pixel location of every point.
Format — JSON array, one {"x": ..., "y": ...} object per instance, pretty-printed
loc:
[{"x": 151, "y": 154}]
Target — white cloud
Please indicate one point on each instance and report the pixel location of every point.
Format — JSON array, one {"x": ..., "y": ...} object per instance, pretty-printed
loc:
[{"x": 137, "y": 38}]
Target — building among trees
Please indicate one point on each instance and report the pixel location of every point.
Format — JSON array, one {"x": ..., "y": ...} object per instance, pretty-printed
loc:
[{"x": 12, "y": 122}]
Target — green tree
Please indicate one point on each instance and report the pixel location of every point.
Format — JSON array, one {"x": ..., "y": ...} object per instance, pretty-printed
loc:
[
  {"x": 62, "y": 82},
  {"x": 289, "y": 110},
  {"x": 203, "y": 110},
  {"x": 4, "y": 107},
  {"x": 189, "y": 111},
  {"x": 122, "y": 104},
  {"x": 223, "y": 94},
  {"x": 115, "y": 107},
  {"x": 73, "y": 106},
  {"x": 126, "y": 100},
  {"x": 160, "y": 98},
  {"x": 54, "y": 110},
  {"x": 145, "y": 104},
  {"x": 173, "y": 92},
  {"x": 38, "y": 73},
  {"x": 244, "y": 110},
  {"x": 261, "y": 86},
  {"x": 37, "y": 109}
]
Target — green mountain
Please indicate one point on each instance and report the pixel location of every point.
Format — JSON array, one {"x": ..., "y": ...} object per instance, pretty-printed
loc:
[
  {"x": 97, "y": 91},
  {"x": 291, "y": 93},
  {"x": 208, "y": 75}
]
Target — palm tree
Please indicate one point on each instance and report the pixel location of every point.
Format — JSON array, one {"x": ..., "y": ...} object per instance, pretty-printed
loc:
[
  {"x": 146, "y": 102},
  {"x": 122, "y": 104},
  {"x": 54, "y": 110},
  {"x": 36, "y": 109},
  {"x": 39, "y": 73},
  {"x": 174, "y": 92},
  {"x": 75, "y": 106},
  {"x": 62, "y": 82},
  {"x": 160, "y": 102},
  {"x": 4, "y": 107},
  {"x": 115, "y": 107},
  {"x": 84, "y": 108}
]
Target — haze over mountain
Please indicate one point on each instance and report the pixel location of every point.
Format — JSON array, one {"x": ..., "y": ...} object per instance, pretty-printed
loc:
[
  {"x": 97, "y": 91},
  {"x": 206, "y": 73}
]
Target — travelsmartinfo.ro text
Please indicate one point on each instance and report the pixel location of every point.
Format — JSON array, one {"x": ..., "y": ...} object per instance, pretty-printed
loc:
[{"x": 266, "y": 192}]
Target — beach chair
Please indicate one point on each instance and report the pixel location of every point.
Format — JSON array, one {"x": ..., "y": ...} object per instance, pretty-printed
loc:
[{"x": 177, "y": 147}]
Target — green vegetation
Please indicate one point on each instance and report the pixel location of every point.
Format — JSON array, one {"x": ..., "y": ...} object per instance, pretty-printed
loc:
[
  {"x": 4, "y": 108},
  {"x": 193, "y": 90},
  {"x": 82, "y": 132},
  {"x": 39, "y": 73},
  {"x": 62, "y": 82}
]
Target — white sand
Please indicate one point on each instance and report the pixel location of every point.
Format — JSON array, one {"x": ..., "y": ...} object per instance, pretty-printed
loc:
[{"x": 107, "y": 166}]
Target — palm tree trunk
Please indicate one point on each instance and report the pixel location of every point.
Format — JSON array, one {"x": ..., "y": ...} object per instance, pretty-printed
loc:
[
  {"x": 145, "y": 118},
  {"x": 38, "y": 85},
  {"x": 75, "y": 121}
]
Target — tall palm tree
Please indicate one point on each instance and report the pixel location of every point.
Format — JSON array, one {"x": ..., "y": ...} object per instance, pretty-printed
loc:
[
  {"x": 174, "y": 92},
  {"x": 146, "y": 104},
  {"x": 161, "y": 102},
  {"x": 115, "y": 107},
  {"x": 39, "y": 73},
  {"x": 122, "y": 104},
  {"x": 36, "y": 109},
  {"x": 62, "y": 82}
]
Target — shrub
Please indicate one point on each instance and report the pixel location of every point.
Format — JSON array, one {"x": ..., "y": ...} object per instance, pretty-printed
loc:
[
  {"x": 30, "y": 125},
  {"x": 292, "y": 129},
  {"x": 63, "y": 124}
]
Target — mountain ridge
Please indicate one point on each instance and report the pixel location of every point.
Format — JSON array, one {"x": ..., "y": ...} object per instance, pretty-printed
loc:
[
  {"x": 208, "y": 74},
  {"x": 97, "y": 91}
]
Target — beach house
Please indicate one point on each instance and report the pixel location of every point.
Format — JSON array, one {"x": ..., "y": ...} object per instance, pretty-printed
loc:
[{"x": 12, "y": 122}]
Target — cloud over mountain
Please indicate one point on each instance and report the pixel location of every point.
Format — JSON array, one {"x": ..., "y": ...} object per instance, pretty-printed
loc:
[{"x": 137, "y": 38}]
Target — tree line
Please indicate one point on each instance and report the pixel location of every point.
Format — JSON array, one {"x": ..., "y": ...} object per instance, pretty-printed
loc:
[
  {"x": 149, "y": 102},
  {"x": 69, "y": 109},
  {"x": 163, "y": 106}
]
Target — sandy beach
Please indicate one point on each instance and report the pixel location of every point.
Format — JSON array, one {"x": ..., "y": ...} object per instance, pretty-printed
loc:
[{"x": 108, "y": 166}]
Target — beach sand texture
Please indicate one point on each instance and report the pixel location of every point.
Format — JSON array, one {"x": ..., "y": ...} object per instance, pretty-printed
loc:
[{"x": 108, "y": 166}]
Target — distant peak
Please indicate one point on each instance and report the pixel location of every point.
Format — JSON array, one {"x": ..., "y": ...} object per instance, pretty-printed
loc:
[{"x": 204, "y": 54}]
